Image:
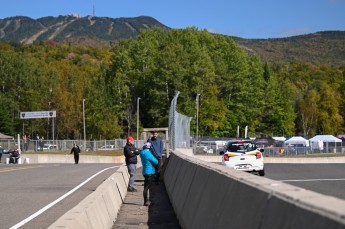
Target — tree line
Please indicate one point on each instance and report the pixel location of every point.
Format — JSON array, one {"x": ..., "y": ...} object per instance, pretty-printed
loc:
[{"x": 236, "y": 88}]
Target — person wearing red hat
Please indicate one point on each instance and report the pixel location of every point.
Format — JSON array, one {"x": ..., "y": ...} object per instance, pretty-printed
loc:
[{"x": 131, "y": 153}]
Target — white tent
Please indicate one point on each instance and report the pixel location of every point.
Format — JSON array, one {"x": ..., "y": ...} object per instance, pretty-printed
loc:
[
  {"x": 279, "y": 139},
  {"x": 297, "y": 140},
  {"x": 5, "y": 137},
  {"x": 324, "y": 138},
  {"x": 321, "y": 139}
]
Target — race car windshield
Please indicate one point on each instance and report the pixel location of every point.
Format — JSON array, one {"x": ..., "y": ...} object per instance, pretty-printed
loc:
[{"x": 241, "y": 147}]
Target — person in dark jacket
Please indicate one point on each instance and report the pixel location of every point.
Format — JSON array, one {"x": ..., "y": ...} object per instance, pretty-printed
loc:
[
  {"x": 157, "y": 148},
  {"x": 131, "y": 153},
  {"x": 1, "y": 151},
  {"x": 76, "y": 151},
  {"x": 148, "y": 170},
  {"x": 14, "y": 156}
]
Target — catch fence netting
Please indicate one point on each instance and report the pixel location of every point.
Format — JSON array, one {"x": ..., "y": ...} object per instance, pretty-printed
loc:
[{"x": 179, "y": 127}]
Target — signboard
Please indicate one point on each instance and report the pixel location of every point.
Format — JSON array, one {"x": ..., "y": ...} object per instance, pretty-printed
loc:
[{"x": 38, "y": 114}]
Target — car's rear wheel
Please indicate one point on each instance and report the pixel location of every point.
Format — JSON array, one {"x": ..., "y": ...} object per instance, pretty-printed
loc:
[{"x": 262, "y": 172}]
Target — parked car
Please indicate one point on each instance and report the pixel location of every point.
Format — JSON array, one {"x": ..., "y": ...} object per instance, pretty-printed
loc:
[
  {"x": 243, "y": 155},
  {"x": 107, "y": 147},
  {"x": 46, "y": 147},
  {"x": 203, "y": 149}
]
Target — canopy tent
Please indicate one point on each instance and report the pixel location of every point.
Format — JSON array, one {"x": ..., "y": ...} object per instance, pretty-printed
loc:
[
  {"x": 279, "y": 139},
  {"x": 265, "y": 141},
  {"x": 5, "y": 137},
  {"x": 297, "y": 140},
  {"x": 319, "y": 140},
  {"x": 325, "y": 138}
]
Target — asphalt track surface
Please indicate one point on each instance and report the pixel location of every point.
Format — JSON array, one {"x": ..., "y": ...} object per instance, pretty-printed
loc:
[
  {"x": 27, "y": 190},
  {"x": 327, "y": 179}
]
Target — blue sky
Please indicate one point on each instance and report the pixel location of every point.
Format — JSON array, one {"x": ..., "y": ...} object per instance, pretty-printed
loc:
[{"x": 242, "y": 18}]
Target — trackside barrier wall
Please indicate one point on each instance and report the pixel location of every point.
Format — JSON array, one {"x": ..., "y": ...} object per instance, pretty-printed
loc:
[
  {"x": 98, "y": 210},
  {"x": 206, "y": 195},
  {"x": 51, "y": 158}
]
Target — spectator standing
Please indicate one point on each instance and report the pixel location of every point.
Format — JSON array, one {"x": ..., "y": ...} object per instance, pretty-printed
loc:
[
  {"x": 76, "y": 151},
  {"x": 92, "y": 141},
  {"x": 25, "y": 140},
  {"x": 36, "y": 142},
  {"x": 148, "y": 170},
  {"x": 1, "y": 151},
  {"x": 41, "y": 143},
  {"x": 131, "y": 153},
  {"x": 157, "y": 148}
]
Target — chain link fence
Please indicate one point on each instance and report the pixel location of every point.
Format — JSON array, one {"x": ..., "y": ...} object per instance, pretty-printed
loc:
[
  {"x": 213, "y": 146},
  {"x": 179, "y": 127},
  {"x": 66, "y": 145}
]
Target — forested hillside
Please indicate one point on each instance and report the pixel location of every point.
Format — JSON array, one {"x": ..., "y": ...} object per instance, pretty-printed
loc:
[
  {"x": 327, "y": 47},
  {"x": 74, "y": 29},
  {"x": 320, "y": 48},
  {"x": 235, "y": 87}
]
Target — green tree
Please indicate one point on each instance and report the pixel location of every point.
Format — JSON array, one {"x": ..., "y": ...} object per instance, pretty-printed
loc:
[{"x": 329, "y": 119}]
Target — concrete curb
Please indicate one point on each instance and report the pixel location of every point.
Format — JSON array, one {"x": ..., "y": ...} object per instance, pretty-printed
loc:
[
  {"x": 98, "y": 210},
  {"x": 206, "y": 195}
]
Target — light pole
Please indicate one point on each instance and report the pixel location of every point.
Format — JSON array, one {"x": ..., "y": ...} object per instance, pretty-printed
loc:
[
  {"x": 84, "y": 124},
  {"x": 197, "y": 117},
  {"x": 49, "y": 103},
  {"x": 138, "y": 117}
]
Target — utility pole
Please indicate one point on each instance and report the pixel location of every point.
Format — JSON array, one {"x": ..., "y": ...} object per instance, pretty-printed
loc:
[
  {"x": 138, "y": 117},
  {"x": 84, "y": 125},
  {"x": 197, "y": 116}
]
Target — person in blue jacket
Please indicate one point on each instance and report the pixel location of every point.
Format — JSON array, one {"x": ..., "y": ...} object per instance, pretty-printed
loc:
[
  {"x": 157, "y": 148},
  {"x": 148, "y": 170}
]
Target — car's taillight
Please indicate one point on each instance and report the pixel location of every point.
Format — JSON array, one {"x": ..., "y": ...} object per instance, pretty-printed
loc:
[
  {"x": 258, "y": 155},
  {"x": 226, "y": 157}
]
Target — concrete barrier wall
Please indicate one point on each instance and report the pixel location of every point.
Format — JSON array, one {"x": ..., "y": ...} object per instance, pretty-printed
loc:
[
  {"x": 58, "y": 158},
  {"x": 98, "y": 210},
  {"x": 206, "y": 195}
]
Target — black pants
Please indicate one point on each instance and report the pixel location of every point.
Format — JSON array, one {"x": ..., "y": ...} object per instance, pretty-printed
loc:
[
  {"x": 13, "y": 160},
  {"x": 158, "y": 168},
  {"x": 147, "y": 186},
  {"x": 76, "y": 158}
]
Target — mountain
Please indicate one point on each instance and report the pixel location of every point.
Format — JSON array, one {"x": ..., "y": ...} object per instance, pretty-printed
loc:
[
  {"x": 88, "y": 30},
  {"x": 326, "y": 47}
]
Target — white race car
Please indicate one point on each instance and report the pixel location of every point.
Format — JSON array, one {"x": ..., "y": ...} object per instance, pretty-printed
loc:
[{"x": 244, "y": 155}]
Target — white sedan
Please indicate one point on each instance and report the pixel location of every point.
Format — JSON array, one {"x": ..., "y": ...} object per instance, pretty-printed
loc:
[{"x": 244, "y": 155}]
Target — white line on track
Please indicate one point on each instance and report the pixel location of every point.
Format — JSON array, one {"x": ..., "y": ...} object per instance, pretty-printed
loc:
[
  {"x": 57, "y": 200},
  {"x": 339, "y": 179}
]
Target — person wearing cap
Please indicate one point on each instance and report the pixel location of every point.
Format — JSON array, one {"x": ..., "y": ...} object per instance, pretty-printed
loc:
[
  {"x": 157, "y": 148},
  {"x": 148, "y": 170},
  {"x": 131, "y": 153}
]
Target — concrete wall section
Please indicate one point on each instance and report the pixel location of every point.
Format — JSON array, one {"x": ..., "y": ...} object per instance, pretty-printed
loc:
[
  {"x": 99, "y": 209},
  {"x": 68, "y": 158},
  {"x": 206, "y": 195}
]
